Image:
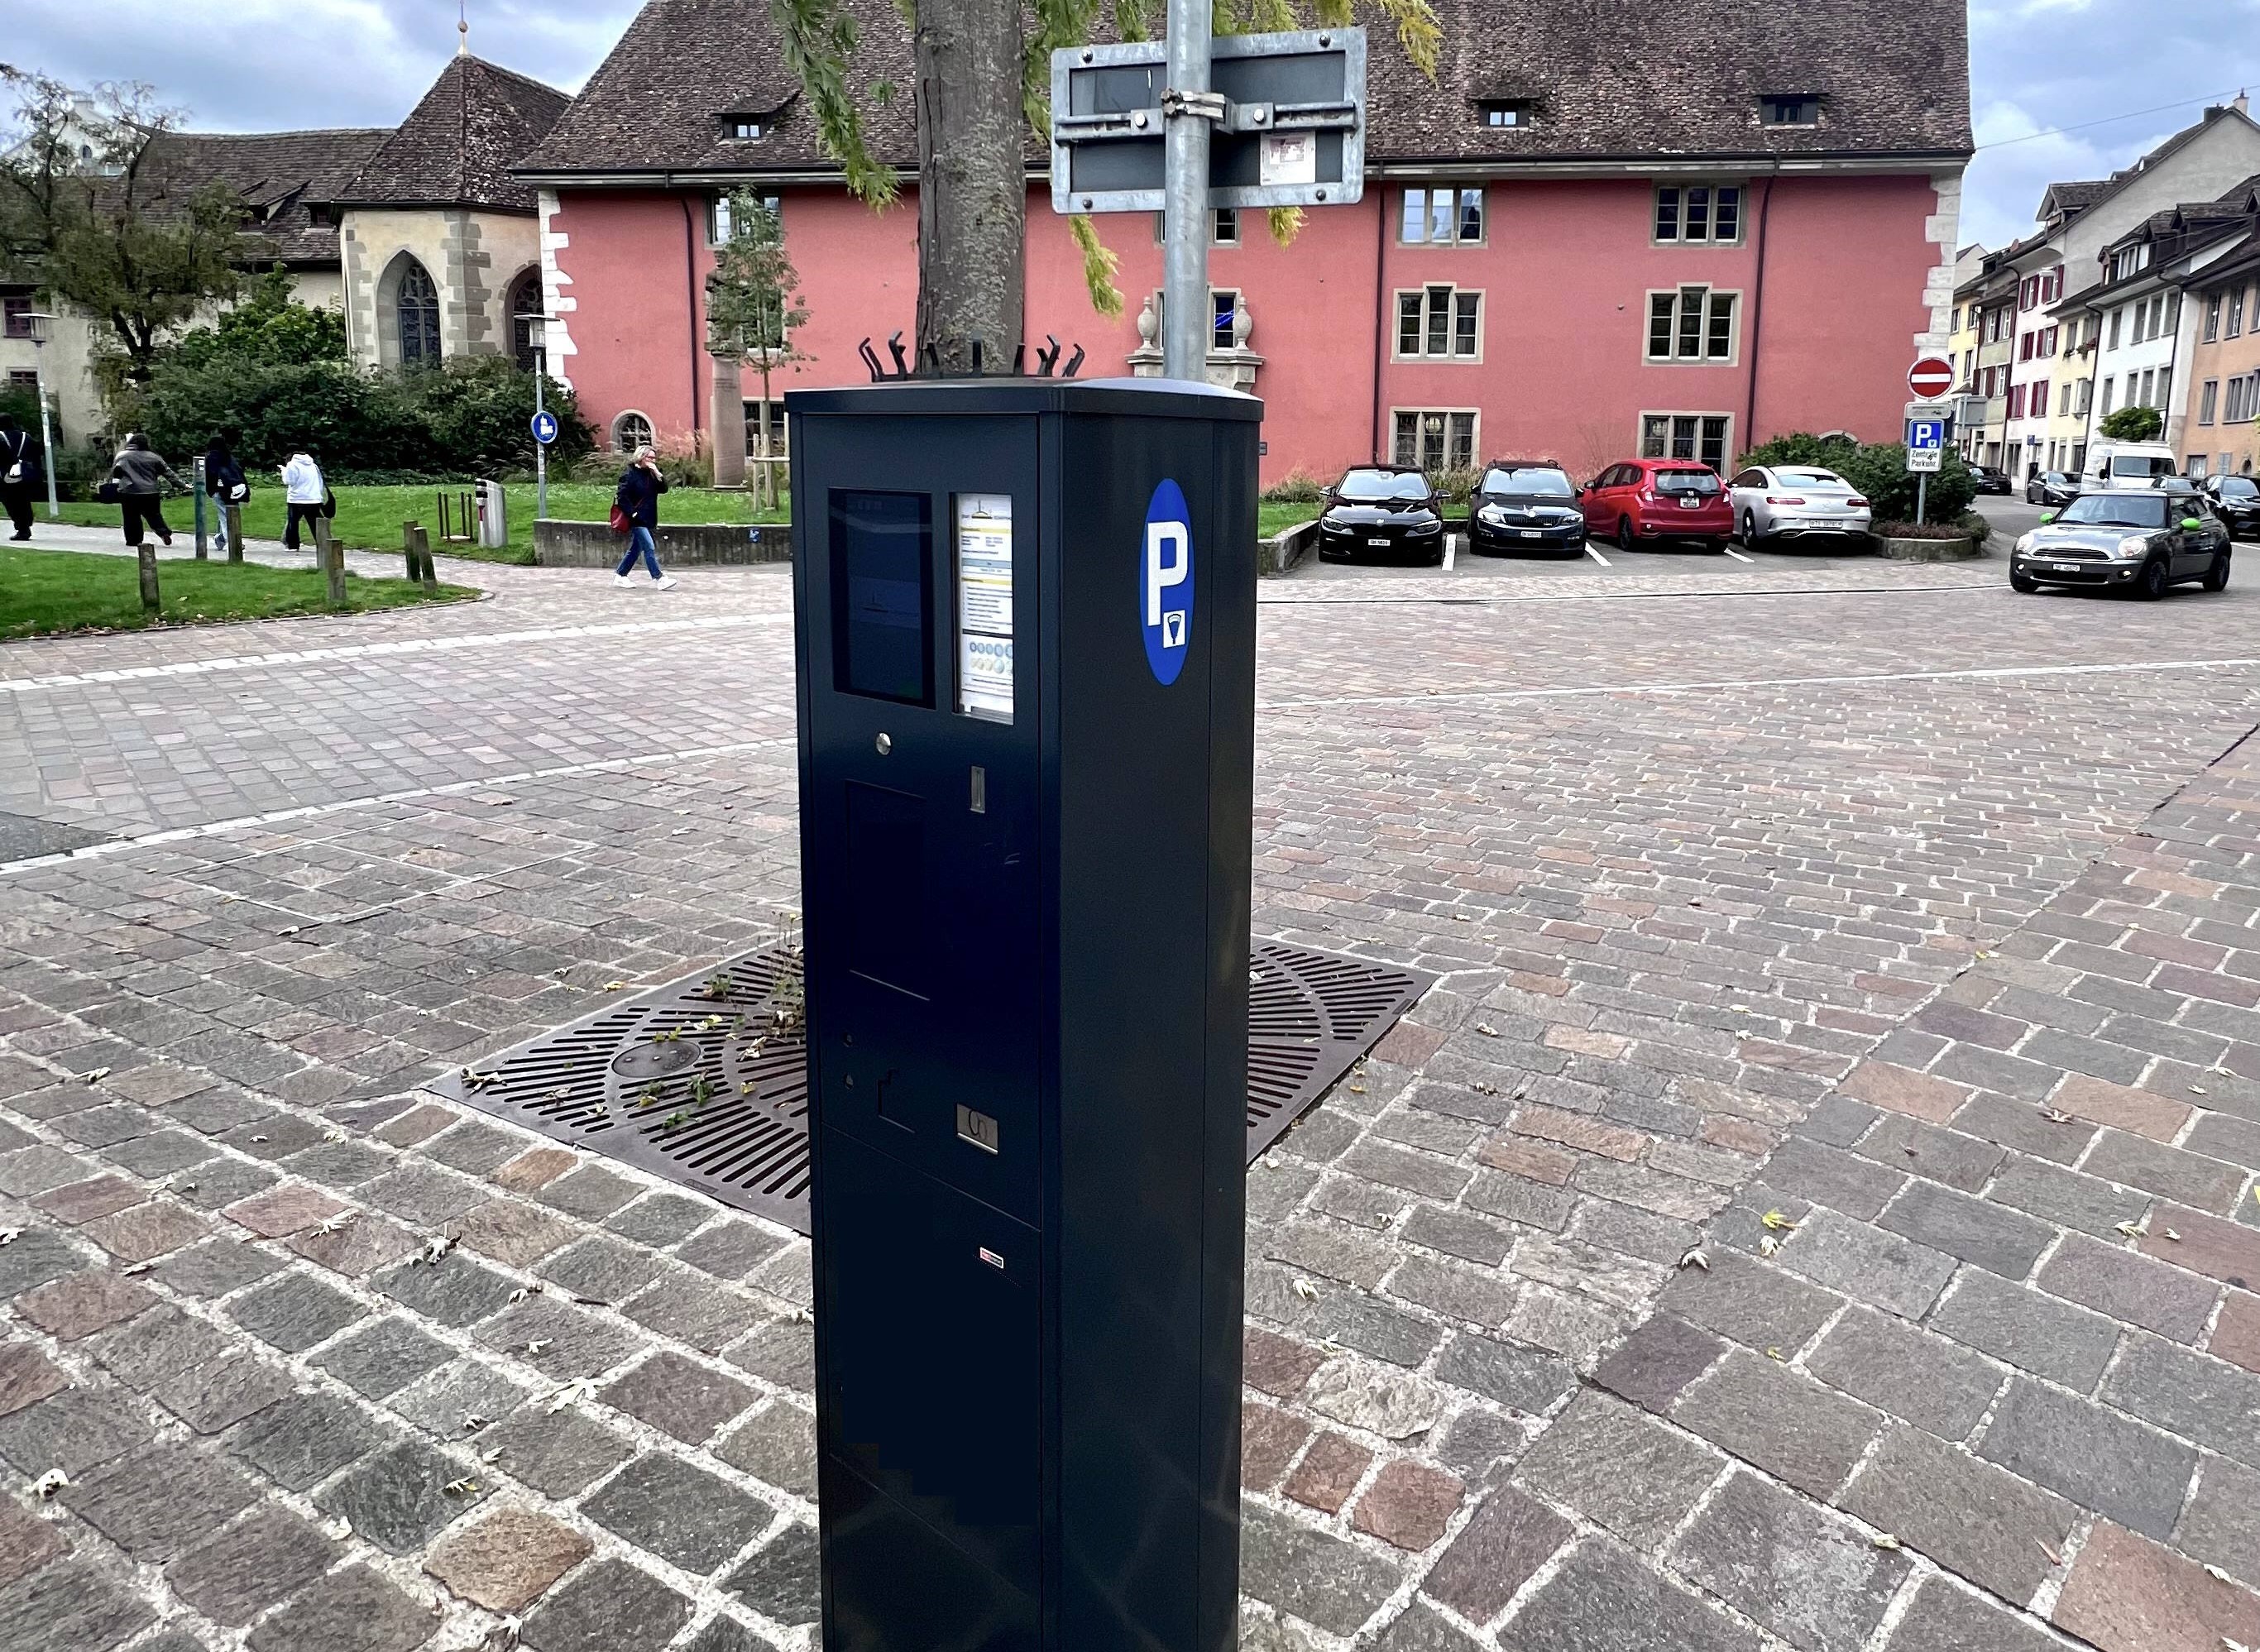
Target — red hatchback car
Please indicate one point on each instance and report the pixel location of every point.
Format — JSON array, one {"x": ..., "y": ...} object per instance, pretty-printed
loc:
[{"x": 1646, "y": 501}]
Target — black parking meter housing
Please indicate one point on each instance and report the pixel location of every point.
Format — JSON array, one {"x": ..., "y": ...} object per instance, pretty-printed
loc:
[{"x": 1026, "y": 618}]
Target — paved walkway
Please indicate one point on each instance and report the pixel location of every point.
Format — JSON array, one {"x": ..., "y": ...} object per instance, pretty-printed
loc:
[{"x": 1890, "y": 947}]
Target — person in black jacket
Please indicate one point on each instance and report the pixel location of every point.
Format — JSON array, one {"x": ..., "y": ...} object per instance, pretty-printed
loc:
[
  {"x": 20, "y": 473},
  {"x": 141, "y": 476},
  {"x": 637, "y": 500},
  {"x": 223, "y": 481}
]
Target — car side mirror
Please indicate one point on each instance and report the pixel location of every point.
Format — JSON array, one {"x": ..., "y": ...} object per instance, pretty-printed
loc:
[{"x": 2047, "y": 517}]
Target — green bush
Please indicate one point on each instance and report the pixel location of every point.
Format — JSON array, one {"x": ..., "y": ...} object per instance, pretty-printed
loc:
[
  {"x": 1297, "y": 487},
  {"x": 1878, "y": 471},
  {"x": 2132, "y": 424},
  {"x": 273, "y": 388}
]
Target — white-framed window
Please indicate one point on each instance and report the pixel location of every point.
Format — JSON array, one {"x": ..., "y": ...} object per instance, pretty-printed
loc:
[
  {"x": 2208, "y": 401},
  {"x": 1439, "y": 323},
  {"x": 2064, "y": 400},
  {"x": 2165, "y": 393},
  {"x": 742, "y": 128},
  {"x": 2086, "y": 397},
  {"x": 1699, "y": 214},
  {"x": 1701, "y": 436},
  {"x": 2236, "y": 313},
  {"x": 2173, "y": 313},
  {"x": 1503, "y": 114},
  {"x": 631, "y": 430},
  {"x": 2212, "y": 316},
  {"x": 758, "y": 413},
  {"x": 1223, "y": 228},
  {"x": 2109, "y": 385},
  {"x": 2197, "y": 466},
  {"x": 1789, "y": 109},
  {"x": 1222, "y": 301},
  {"x": 1442, "y": 215},
  {"x": 717, "y": 216},
  {"x": 2117, "y": 318},
  {"x": 1434, "y": 439},
  {"x": 1693, "y": 324}
]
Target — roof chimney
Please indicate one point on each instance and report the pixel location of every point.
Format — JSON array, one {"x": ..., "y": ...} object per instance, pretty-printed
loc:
[{"x": 2240, "y": 104}]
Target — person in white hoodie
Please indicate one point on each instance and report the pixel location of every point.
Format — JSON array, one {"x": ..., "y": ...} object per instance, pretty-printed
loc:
[{"x": 303, "y": 479}]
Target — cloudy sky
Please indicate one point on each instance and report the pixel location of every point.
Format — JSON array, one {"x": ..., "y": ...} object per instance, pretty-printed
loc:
[{"x": 2123, "y": 73}]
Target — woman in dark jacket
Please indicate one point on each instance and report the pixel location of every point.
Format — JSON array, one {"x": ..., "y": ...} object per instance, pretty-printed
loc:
[
  {"x": 222, "y": 477},
  {"x": 637, "y": 500},
  {"x": 20, "y": 473},
  {"x": 140, "y": 476}
]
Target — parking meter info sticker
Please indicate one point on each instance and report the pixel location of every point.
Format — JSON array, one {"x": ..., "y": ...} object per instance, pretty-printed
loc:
[
  {"x": 984, "y": 606},
  {"x": 1165, "y": 581}
]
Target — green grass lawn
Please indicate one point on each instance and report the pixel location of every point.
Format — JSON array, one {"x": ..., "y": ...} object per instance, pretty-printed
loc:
[
  {"x": 45, "y": 592},
  {"x": 369, "y": 517}
]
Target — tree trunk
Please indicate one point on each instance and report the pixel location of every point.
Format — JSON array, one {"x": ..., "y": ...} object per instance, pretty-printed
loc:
[{"x": 972, "y": 180}]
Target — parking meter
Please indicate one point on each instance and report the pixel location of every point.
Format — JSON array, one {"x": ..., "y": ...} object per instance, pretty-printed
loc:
[{"x": 1024, "y": 624}]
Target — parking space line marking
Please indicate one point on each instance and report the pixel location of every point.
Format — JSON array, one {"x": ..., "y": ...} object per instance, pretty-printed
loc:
[
  {"x": 1597, "y": 556},
  {"x": 1588, "y": 689},
  {"x": 378, "y": 650},
  {"x": 453, "y": 788},
  {"x": 1738, "y": 556},
  {"x": 1451, "y": 550}
]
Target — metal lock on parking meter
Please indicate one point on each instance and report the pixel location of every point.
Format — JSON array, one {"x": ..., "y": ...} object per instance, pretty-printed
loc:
[{"x": 1024, "y": 616}]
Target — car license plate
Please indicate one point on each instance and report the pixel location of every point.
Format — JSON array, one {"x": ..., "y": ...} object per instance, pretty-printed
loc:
[
  {"x": 1530, "y": 533},
  {"x": 2064, "y": 568},
  {"x": 1377, "y": 541},
  {"x": 1686, "y": 504}
]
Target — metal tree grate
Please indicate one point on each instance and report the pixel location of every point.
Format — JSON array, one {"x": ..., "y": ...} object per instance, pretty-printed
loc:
[{"x": 704, "y": 1081}]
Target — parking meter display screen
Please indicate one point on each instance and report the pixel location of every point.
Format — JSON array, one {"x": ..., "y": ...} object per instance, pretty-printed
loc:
[{"x": 883, "y": 594}]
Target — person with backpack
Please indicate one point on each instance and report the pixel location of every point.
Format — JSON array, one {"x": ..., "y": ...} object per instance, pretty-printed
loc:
[
  {"x": 635, "y": 512},
  {"x": 306, "y": 491},
  {"x": 225, "y": 481},
  {"x": 137, "y": 480},
  {"x": 20, "y": 474}
]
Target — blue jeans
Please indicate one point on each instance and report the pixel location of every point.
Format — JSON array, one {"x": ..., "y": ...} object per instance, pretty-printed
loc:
[{"x": 639, "y": 543}]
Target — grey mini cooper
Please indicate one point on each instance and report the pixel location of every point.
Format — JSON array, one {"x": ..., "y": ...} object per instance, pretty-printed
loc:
[{"x": 2137, "y": 537}]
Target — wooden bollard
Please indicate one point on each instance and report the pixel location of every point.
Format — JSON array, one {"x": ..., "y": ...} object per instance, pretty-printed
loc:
[
  {"x": 408, "y": 551},
  {"x": 330, "y": 559},
  {"x": 146, "y": 554},
  {"x": 424, "y": 554},
  {"x": 234, "y": 512}
]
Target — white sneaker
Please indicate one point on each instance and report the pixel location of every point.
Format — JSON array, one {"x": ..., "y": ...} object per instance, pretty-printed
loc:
[
  {"x": 622, "y": 581},
  {"x": 667, "y": 582}
]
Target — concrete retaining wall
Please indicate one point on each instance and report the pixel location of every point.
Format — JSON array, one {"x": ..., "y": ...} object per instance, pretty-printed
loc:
[{"x": 686, "y": 545}]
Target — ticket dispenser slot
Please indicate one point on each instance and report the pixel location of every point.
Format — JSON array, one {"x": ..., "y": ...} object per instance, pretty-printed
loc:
[{"x": 1024, "y": 851}]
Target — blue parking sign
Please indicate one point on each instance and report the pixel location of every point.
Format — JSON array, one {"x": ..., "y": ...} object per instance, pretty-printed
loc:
[{"x": 1926, "y": 435}]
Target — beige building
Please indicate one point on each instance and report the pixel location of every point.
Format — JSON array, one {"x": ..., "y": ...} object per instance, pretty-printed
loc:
[{"x": 417, "y": 233}]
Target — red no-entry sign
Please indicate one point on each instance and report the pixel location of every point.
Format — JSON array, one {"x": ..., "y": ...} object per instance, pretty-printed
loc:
[{"x": 1931, "y": 377}]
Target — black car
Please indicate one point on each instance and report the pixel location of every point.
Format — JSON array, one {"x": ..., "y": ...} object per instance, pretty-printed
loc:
[
  {"x": 2237, "y": 501},
  {"x": 1992, "y": 479},
  {"x": 1526, "y": 505},
  {"x": 2051, "y": 488},
  {"x": 1383, "y": 512},
  {"x": 2128, "y": 536}
]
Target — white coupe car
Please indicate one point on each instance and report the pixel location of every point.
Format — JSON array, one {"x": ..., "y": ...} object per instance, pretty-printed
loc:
[{"x": 1782, "y": 501}]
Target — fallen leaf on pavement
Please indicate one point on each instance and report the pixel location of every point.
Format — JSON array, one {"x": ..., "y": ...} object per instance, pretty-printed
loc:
[
  {"x": 1777, "y": 1221},
  {"x": 1696, "y": 1259},
  {"x": 48, "y": 1483}
]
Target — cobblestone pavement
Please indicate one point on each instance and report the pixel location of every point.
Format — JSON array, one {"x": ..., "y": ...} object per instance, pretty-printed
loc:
[{"x": 1891, "y": 944}]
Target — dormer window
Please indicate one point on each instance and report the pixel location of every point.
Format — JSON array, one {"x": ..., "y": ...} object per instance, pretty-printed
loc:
[
  {"x": 1503, "y": 114},
  {"x": 1790, "y": 108},
  {"x": 742, "y": 128}
]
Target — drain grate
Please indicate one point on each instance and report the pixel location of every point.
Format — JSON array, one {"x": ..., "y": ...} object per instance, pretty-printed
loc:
[{"x": 704, "y": 1081}]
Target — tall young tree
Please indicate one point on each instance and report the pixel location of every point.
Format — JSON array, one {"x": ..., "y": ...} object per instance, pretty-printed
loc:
[
  {"x": 91, "y": 214},
  {"x": 753, "y": 307},
  {"x": 982, "y": 82}
]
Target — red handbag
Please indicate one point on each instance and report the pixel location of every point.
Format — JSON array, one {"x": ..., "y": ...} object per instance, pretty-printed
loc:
[{"x": 620, "y": 522}]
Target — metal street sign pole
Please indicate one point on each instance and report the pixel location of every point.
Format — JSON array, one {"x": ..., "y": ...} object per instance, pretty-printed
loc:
[{"x": 1186, "y": 324}]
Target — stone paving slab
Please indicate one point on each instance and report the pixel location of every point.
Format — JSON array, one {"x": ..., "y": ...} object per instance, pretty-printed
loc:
[{"x": 1935, "y": 971}]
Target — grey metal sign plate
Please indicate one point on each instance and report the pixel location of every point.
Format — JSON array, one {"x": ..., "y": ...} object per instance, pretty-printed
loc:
[
  {"x": 701, "y": 1082},
  {"x": 1293, "y": 133}
]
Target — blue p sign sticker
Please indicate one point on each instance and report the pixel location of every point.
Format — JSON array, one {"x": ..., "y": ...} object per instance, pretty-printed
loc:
[{"x": 1165, "y": 581}]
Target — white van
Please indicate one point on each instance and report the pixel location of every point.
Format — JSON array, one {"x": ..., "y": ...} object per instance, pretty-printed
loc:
[{"x": 2128, "y": 461}]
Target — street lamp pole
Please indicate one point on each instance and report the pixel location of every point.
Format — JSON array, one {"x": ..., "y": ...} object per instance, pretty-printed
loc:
[
  {"x": 537, "y": 333},
  {"x": 42, "y": 329}
]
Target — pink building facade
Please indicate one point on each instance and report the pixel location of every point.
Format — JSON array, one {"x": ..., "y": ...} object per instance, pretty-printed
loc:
[{"x": 1586, "y": 308}]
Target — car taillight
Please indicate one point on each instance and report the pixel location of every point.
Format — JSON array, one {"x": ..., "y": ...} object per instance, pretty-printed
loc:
[
  {"x": 1783, "y": 498},
  {"x": 1648, "y": 496},
  {"x": 1855, "y": 504}
]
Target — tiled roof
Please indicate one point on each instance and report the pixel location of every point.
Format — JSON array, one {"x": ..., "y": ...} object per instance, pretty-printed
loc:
[
  {"x": 457, "y": 145},
  {"x": 278, "y": 174},
  {"x": 1608, "y": 79}
]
